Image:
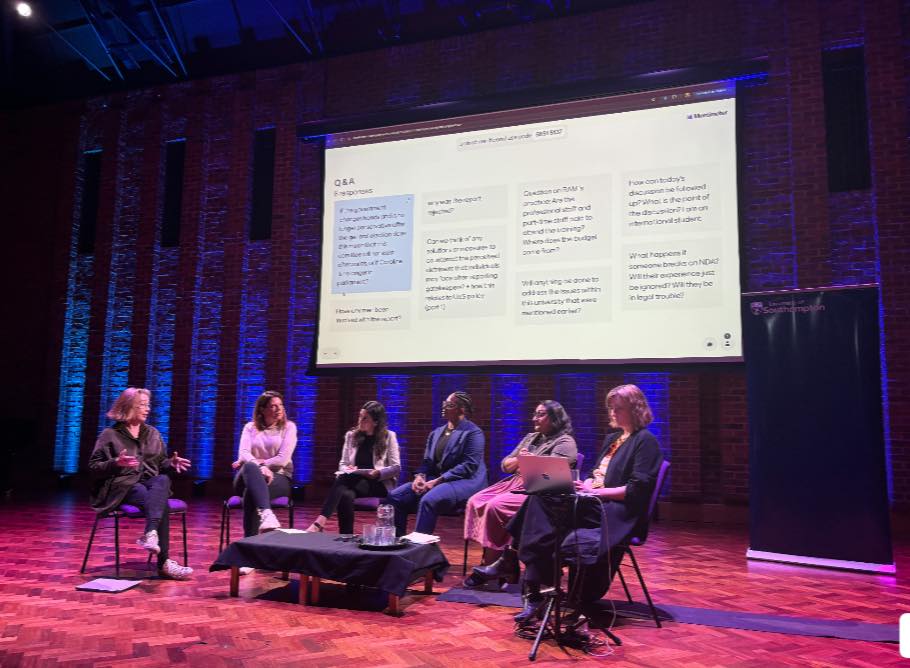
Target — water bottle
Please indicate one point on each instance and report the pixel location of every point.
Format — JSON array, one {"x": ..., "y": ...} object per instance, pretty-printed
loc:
[{"x": 385, "y": 515}]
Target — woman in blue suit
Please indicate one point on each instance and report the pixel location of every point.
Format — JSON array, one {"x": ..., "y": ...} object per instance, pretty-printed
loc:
[{"x": 452, "y": 470}]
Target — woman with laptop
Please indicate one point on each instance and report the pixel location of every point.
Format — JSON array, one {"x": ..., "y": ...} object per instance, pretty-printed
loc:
[
  {"x": 621, "y": 486},
  {"x": 489, "y": 510}
]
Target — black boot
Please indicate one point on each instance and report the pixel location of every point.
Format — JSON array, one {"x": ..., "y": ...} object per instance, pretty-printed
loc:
[
  {"x": 533, "y": 605},
  {"x": 505, "y": 568},
  {"x": 474, "y": 581}
]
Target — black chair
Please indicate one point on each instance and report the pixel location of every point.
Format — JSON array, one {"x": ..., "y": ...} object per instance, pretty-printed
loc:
[
  {"x": 367, "y": 503},
  {"x": 638, "y": 541},
  {"x": 458, "y": 511},
  {"x": 127, "y": 511}
]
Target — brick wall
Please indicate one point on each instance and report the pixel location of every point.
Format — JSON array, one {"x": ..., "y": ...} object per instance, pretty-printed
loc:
[{"x": 216, "y": 320}]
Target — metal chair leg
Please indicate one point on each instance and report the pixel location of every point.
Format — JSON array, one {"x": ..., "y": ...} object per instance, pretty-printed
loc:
[
  {"x": 624, "y": 585},
  {"x": 221, "y": 530},
  {"x": 291, "y": 512},
  {"x": 464, "y": 565},
  {"x": 186, "y": 558},
  {"x": 117, "y": 546},
  {"x": 88, "y": 547},
  {"x": 644, "y": 588},
  {"x": 227, "y": 526}
]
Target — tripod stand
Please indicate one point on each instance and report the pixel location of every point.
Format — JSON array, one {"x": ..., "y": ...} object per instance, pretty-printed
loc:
[{"x": 553, "y": 610}]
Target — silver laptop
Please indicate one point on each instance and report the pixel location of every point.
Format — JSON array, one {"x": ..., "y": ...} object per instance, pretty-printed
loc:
[{"x": 545, "y": 473}]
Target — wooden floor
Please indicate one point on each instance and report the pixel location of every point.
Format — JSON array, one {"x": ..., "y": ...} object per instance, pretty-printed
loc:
[{"x": 44, "y": 621}]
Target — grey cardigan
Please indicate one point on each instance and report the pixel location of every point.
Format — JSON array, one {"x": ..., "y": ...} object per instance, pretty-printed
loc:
[{"x": 562, "y": 445}]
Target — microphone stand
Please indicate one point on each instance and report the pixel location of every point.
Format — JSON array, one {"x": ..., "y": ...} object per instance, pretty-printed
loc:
[{"x": 554, "y": 610}]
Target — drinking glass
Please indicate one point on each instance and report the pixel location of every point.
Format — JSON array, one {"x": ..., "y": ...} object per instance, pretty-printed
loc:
[{"x": 385, "y": 535}]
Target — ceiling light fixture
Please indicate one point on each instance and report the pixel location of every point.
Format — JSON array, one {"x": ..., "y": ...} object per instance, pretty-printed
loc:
[{"x": 25, "y": 11}]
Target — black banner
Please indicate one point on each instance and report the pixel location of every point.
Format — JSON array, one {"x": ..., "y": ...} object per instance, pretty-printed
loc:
[{"x": 818, "y": 486}]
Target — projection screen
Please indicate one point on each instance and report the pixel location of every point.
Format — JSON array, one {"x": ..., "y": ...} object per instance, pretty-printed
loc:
[{"x": 593, "y": 231}]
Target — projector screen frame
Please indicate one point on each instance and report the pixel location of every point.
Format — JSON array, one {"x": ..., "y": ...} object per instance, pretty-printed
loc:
[{"x": 754, "y": 71}]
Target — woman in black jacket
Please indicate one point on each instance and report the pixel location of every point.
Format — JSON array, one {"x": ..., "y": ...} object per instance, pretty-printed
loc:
[
  {"x": 129, "y": 464},
  {"x": 612, "y": 504}
]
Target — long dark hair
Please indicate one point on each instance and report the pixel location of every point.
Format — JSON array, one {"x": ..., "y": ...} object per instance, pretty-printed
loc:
[
  {"x": 376, "y": 411},
  {"x": 559, "y": 418}
]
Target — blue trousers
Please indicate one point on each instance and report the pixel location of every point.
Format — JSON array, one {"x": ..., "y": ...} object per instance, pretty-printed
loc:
[{"x": 444, "y": 498}]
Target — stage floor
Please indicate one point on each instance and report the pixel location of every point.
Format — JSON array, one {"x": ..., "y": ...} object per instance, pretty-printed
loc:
[{"x": 45, "y": 621}]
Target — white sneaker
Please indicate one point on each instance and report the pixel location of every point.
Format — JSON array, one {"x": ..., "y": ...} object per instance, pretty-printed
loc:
[
  {"x": 174, "y": 571},
  {"x": 246, "y": 570},
  {"x": 268, "y": 521},
  {"x": 149, "y": 541}
]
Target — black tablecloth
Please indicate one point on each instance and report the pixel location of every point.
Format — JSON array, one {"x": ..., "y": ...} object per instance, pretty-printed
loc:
[{"x": 322, "y": 555}]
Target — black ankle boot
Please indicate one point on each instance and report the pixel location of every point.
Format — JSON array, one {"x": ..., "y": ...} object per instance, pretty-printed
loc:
[
  {"x": 533, "y": 607},
  {"x": 506, "y": 568},
  {"x": 474, "y": 581}
]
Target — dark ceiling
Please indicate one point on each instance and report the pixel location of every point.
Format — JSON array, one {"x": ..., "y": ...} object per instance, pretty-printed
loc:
[{"x": 77, "y": 48}]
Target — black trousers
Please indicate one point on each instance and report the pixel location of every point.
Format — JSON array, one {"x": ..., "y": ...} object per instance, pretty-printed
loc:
[
  {"x": 257, "y": 494},
  {"x": 543, "y": 521},
  {"x": 345, "y": 489},
  {"x": 151, "y": 496}
]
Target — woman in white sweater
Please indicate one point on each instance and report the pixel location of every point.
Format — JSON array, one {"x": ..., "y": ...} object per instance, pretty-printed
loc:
[
  {"x": 369, "y": 466},
  {"x": 264, "y": 467}
]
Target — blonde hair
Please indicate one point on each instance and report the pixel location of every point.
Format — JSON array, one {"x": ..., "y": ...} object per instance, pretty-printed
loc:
[
  {"x": 126, "y": 402},
  {"x": 635, "y": 400}
]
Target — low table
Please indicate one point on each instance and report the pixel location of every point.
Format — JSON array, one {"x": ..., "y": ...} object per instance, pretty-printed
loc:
[{"x": 323, "y": 556}]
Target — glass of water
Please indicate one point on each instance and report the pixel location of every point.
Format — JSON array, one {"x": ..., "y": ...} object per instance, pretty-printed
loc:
[{"x": 385, "y": 535}]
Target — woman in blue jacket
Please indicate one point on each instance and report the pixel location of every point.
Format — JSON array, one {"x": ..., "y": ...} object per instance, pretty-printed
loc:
[{"x": 452, "y": 470}]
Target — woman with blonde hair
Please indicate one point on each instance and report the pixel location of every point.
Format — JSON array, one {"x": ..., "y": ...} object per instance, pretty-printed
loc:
[{"x": 129, "y": 464}]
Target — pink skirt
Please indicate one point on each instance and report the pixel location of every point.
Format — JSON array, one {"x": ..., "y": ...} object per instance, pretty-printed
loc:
[{"x": 488, "y": 512}]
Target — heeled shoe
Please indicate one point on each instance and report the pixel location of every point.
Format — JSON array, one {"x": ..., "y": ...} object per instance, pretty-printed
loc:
[
  {"x": 532, "y": 609},
  {"x": 474, "y": 581},
  {"x": 505, "y": 568},
  {"x": 315, "y": 527}
]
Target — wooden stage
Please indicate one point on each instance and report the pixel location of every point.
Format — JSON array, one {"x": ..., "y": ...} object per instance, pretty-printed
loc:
[{"x": 44, "y": 621}]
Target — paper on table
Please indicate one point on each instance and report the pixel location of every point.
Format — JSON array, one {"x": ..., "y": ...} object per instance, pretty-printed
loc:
[
  {"x": 421, "y": 538},
  {"x": 291, "y": 530}
]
